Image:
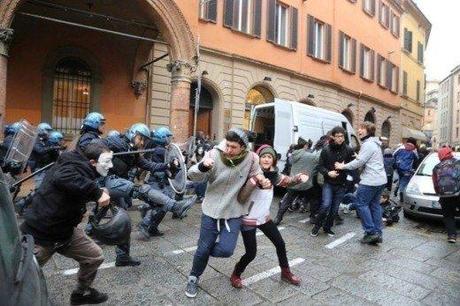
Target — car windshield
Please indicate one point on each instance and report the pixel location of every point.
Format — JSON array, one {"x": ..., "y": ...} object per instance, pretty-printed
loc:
[{"x": 426, "y": 168}]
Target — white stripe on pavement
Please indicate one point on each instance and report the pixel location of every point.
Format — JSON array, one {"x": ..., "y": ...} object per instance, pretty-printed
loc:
[
  {"x": 268, "y": 273},
  {"x": 259, "y": 232},
  {"x": 185, "y": 250},
  {"x": 103, "y": 266},
  {"x": 304, "y": 220},
  {"x": 341, "y": 240}
]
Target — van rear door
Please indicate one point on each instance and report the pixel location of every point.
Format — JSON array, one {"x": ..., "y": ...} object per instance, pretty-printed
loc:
[{"x": 284, "y": 127}]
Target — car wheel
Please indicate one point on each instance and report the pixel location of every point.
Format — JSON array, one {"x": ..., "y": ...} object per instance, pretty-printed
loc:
[{"x": 408, "y": 215}]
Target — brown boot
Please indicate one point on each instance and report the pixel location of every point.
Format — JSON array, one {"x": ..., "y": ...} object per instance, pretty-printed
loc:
[
  {"x": 287, "y": 276},
  {"x": 236, "y": 281}
]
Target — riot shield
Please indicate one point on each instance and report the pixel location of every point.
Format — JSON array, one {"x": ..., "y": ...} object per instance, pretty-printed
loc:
[
  {"x": 22, "y": 145},
  {"x": 188, "y": 147},
  {"x": 179, "y": 181}
]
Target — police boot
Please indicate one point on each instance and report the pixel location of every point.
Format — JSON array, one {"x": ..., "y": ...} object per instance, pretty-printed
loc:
[
  {"x": 180, "y": 208},
  {"x": 157, "y": 217}
]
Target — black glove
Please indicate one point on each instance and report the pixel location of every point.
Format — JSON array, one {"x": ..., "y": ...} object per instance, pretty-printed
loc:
[
  {"x": 173, "y": 168},
  {"x": 12, "y": 167}
]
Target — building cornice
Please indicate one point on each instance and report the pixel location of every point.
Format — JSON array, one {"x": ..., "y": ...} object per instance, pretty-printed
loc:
[
  {"x": 414, "y": 10},
  {"x": 396, "y": 4},
  {"x": 357, "y": 94}
]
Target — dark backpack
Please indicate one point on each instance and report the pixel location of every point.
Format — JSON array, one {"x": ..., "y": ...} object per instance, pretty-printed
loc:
[{"x": 446, "y": 178}]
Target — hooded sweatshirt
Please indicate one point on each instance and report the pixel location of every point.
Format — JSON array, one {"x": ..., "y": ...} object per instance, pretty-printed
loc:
[
  {"x": 224, "y": 183},
  {"x": 304, "y": 161},
  {"x": 370, "y": 156}
]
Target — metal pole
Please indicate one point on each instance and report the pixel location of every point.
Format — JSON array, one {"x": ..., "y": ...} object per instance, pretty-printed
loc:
[
  {"x": 134, "y": 152},
  {"x": 91, "y": 27},
  {"x": 154, "y": 61},
  {"x": 198, "y": 89},
  {"x": 31, "y": 175}
]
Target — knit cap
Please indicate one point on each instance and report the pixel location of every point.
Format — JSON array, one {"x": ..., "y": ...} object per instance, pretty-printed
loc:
[
  {"x": 242, "y": 135},
  {"x": 267, "y": 149}
]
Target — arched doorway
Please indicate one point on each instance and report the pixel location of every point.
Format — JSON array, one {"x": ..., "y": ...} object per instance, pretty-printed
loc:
[
  {"x": 257, "y": 95},
  {"x": 205, "y": 111},
  {"x": 386, "y": 129},
  {"x": 143, "y": 22},
  {"x": 370, "y": 116}
]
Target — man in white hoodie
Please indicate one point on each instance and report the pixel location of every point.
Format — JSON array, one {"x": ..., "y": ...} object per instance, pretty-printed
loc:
[{"x": 372, "y": 183}]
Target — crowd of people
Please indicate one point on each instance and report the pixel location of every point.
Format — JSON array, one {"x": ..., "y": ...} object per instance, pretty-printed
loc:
[{"x": 234, "y": 185}]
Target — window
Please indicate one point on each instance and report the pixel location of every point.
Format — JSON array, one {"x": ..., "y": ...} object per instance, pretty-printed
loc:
[
  {"x": 381, "y": 76},
  {"x": 384, "y": 15},
  {"x": 369, "y": 7},
  {"x": 392, "y": 77},
  {"x": 394, "y": 24},
  {"x": 243, "y": 16},
  {"x": 418, "y": 92},
  {"x": 71, "y": 94},
  {"x": 420, "y": 52},
  {"x": 319, "y": 39},
  {"x": 404, "y": 89},
  {"x": 456, "y": 133},
  {"x": 208, "y": 10},
  {"x": 347, "y": 52},
  {"x": 407, "y": 40},
  {"x": 282, "y": 24},
  {"x": 370, "y": 117},
  {"x": 386, "y": 129},
  {"x": 367, "y": 63}
]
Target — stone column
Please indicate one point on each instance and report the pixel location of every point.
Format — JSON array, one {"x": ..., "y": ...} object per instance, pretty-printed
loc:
[
  {"x": 5, "y": 38},
  {"x": 180, "y": 99}
]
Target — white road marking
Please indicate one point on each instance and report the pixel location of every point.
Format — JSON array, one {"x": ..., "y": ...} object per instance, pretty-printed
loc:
[
  {"x": 103, "y": 266},
  {"x": 341, "y": 240},
  {"x": 259, "y": 232},
  {"x": 185, "y": 250},
  {"x": 268, "y": 273},
  {"x": 304, "y": 220}
]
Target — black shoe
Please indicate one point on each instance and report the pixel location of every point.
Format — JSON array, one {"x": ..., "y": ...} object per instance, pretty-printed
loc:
[
  {"x": 199, "y": 200},
  {"x": 156, "y": 233},
  {"x": 90, "y": 296},
  {"x": 452, "y": 238},
  {"x": 329, "y": 232},
  {"x": 181, "y": 207},
  {"x": 144, "y": 234},
  {"x": 127, "y": 261},
  {"x": 315, "y": 231},
  {"x": 370, "y": 239}
]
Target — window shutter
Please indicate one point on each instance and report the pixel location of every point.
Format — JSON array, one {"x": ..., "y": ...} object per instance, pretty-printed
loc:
[
  {"x": 294, "y": 27},
  {"x": 271, "y": 20},
  {"x": 397, "y": 80},
  {"x": 387, "y": 20},
  {"x": 328, "y": 42},
  {"x": 379, "y": 67},
  {"x": 404, "y": 89},
  {"x": 228, "y": 13},
  {"x": 244, "y": 20},
  {"x": 380, "y": 11},
  {"x": 410, "y": 41},
  {"x": 361, "y": 61},
  {"x": 372, "y": 78},
  {"x": 398, "y": 30},
  {"x": 353, "y": 55},
  {"x": 388, "y": 74},
  {"x": 341, "y": 46},
  {"x": 257, "y": 17},
  {"x": 311, "y": 35},
  {"x": 212, "y": 10},
  {"x": 373, "y": 7}
]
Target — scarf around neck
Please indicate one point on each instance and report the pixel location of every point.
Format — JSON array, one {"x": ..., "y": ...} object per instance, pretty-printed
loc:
[{"x": 234, "y": 161}]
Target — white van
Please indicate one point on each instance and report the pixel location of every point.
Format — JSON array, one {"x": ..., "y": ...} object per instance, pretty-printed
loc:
[{"x": 282, "y": 122}]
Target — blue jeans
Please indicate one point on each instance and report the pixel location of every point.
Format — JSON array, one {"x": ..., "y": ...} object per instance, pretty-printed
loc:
[
  {"x": 332, "y": 196},
  {"x": 369, "y": 209},
  {"x": 208, "y": 245},
  {"x": 350, "y": 198},
  {"x": 404, "y": 178}
]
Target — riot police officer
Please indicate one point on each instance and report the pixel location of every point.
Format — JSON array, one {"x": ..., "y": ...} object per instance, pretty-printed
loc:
[
  {"x": 92, "y": 128},
  {"x": 43, "y": 152}
]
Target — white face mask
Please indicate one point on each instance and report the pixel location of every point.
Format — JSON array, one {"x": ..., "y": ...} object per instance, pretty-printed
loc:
[
  {"x": 200, "y": 151},
  {"x": 104, "y": 163}
]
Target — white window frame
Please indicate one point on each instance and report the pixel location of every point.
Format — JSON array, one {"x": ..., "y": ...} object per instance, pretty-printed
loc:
[
  {"x": 280, "y": 7},
  {"x": 383, "y": 13},
  {"x": 320, "y": 40},
  {"x": 394, "y": 79},
  {"x": 248, "y": 16},
  {"x": 382, "y": 70},
  {"x": 347, "y": 52},
  {"x": 368, "y": 6},
  {"x": 367, "y": 58}
]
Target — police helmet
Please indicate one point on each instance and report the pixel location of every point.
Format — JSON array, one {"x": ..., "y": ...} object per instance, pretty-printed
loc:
[
  {"x": 162, "y": 135},
  {"x": 138, "y": 129},
  {"x": 55, "y": 137},
  {"x": 94, "y": 120},
  {"x": 113, "y": 133},
  {"x": 11, "y": 129},
  {"x": 116, "y": 231},
  {"x": 44, "y": 129}
]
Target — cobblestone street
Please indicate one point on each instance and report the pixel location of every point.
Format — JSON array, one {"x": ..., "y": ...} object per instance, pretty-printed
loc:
[{"x": 414, "y": 265}]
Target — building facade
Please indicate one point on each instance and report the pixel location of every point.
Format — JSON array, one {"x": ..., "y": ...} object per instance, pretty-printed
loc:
[
  {"x": 58, "y": 63},
  {"x": 415, "y": 31},
  {"x": 444, "y": 126},
  {"x": 430, "y": 112},
  {"x": 455, "y": 132}
]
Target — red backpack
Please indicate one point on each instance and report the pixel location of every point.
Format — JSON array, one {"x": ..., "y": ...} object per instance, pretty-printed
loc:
[{"x": 446, "y": 178}]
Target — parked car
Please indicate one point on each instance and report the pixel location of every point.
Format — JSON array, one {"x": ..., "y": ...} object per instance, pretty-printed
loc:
[{"x": 420, "y": 198}]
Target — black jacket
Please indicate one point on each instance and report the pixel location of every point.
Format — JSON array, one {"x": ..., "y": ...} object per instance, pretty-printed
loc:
[
  {"x": 60, "y": 202},
  {"x": 123, "y": 163},
  {"x": 86, "y": 137},
  {"x": 331, "y": 154},
  {"x": 43, "y": 154}
]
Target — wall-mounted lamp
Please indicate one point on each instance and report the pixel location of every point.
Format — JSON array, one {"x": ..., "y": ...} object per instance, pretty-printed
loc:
[
  {"x": 204, "y": 73},
  {"x": 311, "y": 96},
  {"x": 268, "y": 79},
  {"x": 388, "y": 118},
  {"x": 350, "y": 105}
]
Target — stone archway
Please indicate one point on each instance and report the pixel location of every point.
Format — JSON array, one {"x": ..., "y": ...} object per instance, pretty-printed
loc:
[
  {"x": 258, "y": 94},
  {"x": 175, "y": 31},
  {"x": 370, "y": 116},
  {"x": 349, "y": 115}
]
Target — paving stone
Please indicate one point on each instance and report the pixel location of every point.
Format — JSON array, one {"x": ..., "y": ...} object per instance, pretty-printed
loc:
[
  {"x": 312, "y": 270},
  {"x": 274, "y": 291},
  {"x": 373, "y": 292},
  {"x": 440, "y": 299},
  {"x": 437, "y": 249},
  {"x": 300, "y": 299},
  {"x": 407, "y": 263},
  {"x": 446, "y": 273},
  {"x": 334, "y": 296},
  {"x": 411, "y": 254},
  {"x": 394, "y": 284}
]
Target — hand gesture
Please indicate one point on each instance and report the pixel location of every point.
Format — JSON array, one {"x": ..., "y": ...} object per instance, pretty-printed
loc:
[
  {"x": 208, "y": 162},
  {"x": 339, "y": 166},
  {"x": 303, "y": 178},
  {"x": 104, "y": 200},
  {"x": 333, "y": 174}
]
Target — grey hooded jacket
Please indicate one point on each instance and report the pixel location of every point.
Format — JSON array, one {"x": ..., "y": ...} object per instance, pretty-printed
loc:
[
  {"x": 371, "y": 158},
  {"x": 306, "y": 162}
]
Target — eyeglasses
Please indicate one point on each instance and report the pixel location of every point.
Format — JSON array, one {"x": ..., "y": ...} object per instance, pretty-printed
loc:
[{"x": 339, "y": 136}]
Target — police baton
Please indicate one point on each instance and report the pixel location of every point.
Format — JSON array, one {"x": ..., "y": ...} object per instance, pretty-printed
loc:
[{"x": 32, "y": 175}]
